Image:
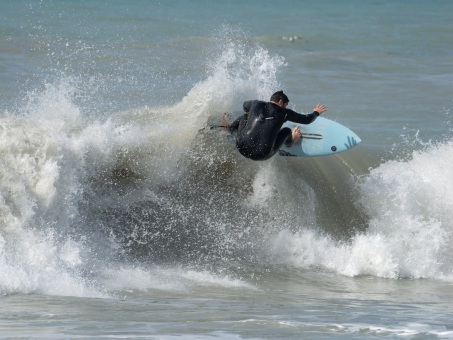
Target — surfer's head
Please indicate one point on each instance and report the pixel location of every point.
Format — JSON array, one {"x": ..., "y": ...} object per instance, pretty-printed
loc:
[{"x": 280, "y": 99}]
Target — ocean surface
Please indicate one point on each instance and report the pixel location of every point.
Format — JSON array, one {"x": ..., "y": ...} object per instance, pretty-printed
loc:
[{"x": 121, "y": 217}]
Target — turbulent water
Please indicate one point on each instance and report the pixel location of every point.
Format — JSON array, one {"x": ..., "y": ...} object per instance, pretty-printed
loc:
[{"x": 122, "y": 216}]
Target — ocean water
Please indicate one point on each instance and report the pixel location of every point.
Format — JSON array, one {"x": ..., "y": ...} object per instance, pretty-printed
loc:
[{"x": 120, "y": 217}]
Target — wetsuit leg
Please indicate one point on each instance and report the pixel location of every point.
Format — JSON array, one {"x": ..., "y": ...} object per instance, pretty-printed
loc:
[
  {"x": 255, "y": 142},
  {"x": 243, "y": 142},
  {"x": 284, "y": 136}
]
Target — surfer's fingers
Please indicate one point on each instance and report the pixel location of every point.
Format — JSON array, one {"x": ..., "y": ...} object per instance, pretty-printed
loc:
[{"x": 320, "y": 108}]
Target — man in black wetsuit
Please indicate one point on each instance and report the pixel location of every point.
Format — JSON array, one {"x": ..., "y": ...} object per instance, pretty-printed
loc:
[{"x": 259, "y": 134}]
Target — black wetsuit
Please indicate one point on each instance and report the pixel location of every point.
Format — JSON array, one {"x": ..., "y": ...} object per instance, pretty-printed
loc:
[{"x": 260, "y": 134}]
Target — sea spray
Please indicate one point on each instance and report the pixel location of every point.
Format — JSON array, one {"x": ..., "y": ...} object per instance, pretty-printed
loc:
[
  {"x": 86, "y": 190},
  {"x": 408, "y": 204},
  {"x": 116, "y": 191}
]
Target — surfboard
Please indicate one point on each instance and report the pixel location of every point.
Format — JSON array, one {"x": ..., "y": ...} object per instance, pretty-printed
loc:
[{"x": 323, "y": 137}]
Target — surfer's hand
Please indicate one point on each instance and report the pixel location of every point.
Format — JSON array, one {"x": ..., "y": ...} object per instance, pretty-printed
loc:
[
  {"x": 320, "y": 108},
  {"x": 296, "y": 134}
]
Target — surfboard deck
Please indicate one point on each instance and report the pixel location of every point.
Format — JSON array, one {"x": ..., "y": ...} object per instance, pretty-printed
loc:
[{"x": 323, "y": 137}]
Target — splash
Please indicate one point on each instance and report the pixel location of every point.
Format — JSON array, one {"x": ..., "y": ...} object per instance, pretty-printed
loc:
[
  {"x": 87, "y": 198},
  {"x": 408, "y": 204},
  {"x": 236, "y": 71},
  {"x": 83, "y": 191}
]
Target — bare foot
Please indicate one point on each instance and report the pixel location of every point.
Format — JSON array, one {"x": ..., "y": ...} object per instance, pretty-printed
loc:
[
  {"x": 225, "y": 120},
  {"x": 296, "y": 135}
]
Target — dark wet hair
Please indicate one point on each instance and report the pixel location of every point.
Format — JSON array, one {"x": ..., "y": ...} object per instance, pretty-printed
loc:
[{"x": 279, "y": 95}]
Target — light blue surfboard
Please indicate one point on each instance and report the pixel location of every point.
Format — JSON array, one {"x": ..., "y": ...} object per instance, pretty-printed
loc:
[{"x": 321, "y": 138}]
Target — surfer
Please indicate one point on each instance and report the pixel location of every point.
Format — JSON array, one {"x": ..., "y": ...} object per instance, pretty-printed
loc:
[{"x": 259, "y": 130}]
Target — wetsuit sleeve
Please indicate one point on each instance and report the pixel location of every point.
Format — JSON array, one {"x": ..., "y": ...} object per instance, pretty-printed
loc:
[
  {"x": 247, "y": 105},
  {"x": 235, "y": 125},
  {"x": 300, "y": 118}
]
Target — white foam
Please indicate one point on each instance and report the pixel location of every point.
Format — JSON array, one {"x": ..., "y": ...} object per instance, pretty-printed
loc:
[
  {"x": 35, "y": 263},
  {"x": 52, "y": 151},
  {"x": 409, "y": 206},
  {"x": 168, "y": 279}
]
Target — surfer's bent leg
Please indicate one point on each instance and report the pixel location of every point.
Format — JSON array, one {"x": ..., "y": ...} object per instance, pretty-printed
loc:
[
  {"x": 288, "y": 137},
  {"x": 284, "y": 136}
]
